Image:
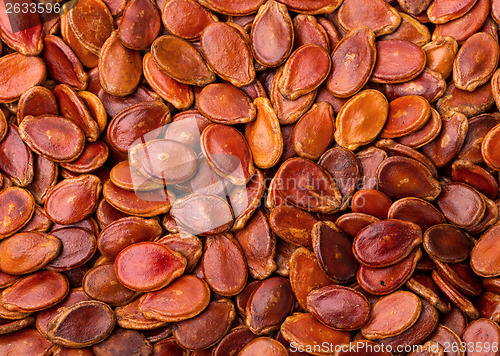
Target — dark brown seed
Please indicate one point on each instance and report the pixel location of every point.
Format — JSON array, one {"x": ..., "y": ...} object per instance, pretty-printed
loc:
[
  {"x": 305, "y": 331},
  {"x": 401, "y": 177},
  {"x": 225, "y": 104},
  {"x": 461, "y": 276},
  {"x": 464, "y": 102},
  {"x": 370, "y": 159},
  {"x": 334, "y": 252},
  {"x": 174, "y": 12},
  {"x": 218, "y": 216},
  {"x": 139, "y": 24},
  {"x": 479, "y": 126},
  {"x": 381, "y": 281},
  {"x": 447, "y": 243},
  {"x": 148, "y": 266},
  {"x": 391, "y": 315},
  {"x": 207, "y": 328},
  {"x": 339, "y": 307},
  {"x": 234, "y": 341},
  {"x": 455, "y": 296},
  {"x": 21, "y": 172},
  {"x": 307, "y": 185},
  {"x": 293, "y": 225},
  {"x": 484, "y": 261},
  {"x": 258, "y": 243},
  {"x": 114, "y": 104},
  {"x": 423, "y": 285},
  {"x": 100, "y": 283},
  {"x": 461, "y": 204},
  {"x": 83, "y": 324},
  {"x": 345, "y": 169},
  {"x": 120, "y": 68},
  {"x": 170, "y": 54},
  {"x": 125, "y": 232},
  {"x": 448, "y": 143},
  {"x": 409, "y": 57},
  {"x": 53, "y": 137},
  {"x": 417, "y": 211},
  {"x": 377, "y": 15},
  {"x": 418, "y": 332},
  {"x": 306, "y": 275},
  {"x": 124, "y": 342},
  {"x": 183, "y": 299},
  {"x": 313, "y": 133},
  {"x": 164, "y": 161},
  {"x": 223, "y": 44},
  {"x": 136, "y": 121},
  {"x": 27, "y": 252},
  {"x": 268, "y": 306},
  {"x": 65, "y": 202},
  {"x": 224, "y": 265},
  {"x": 429, "y": 84},
  {"x": 273, "y": 18},
  {"x": 147, "y": 204},
  {"x": 44, "y": 178},
  {"x": 352, "y": 62},
  {"x": 228, "y": 153},
  {"x": 62, "y": 63},
  {"x": 386, "y": 242},
  {"x": 166, "y": 346},
  {"x": 44, "y": 317},
  {"x": 304, "y": 71},
  {"x": 481, "y": 332},
  {"x": 455, "y": 320},
  {"x": 16, "y": 208},
  {"x": 35, "y": 292}
]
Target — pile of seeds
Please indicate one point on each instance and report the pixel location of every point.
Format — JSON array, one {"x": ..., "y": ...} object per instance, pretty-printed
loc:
[{"x": 250, "y": 177}]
